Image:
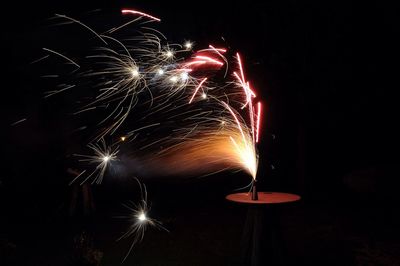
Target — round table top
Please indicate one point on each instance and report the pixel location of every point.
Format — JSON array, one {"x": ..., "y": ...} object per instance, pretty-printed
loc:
[{"x": 263, "y": 197}]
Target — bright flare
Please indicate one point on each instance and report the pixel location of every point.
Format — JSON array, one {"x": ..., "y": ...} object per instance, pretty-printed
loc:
[
  {"x": 135, "y": 73},
  {"x": 188, "y": 45},
  {"x": 142, "y": 217}
]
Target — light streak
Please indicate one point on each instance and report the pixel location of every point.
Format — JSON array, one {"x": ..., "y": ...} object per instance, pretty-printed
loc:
[
  {"x": 209, "y": 59},
  {"x": 218, "y": 50},
  {"x": 258, "y": 121},
  {"x": 135, "y": 12},
  {"x": 197, "y": 89}
]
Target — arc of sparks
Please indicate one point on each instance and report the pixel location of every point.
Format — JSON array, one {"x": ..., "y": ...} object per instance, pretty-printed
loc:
[
  {"x": 209, "y": 59},
  {"x": 83, "y": 25},
  {"x": 218, "y": 50},
  {"x": 136, "y": 12},
  {"x": 197, "y": 88},
  {"x": 258, "y": 121},
  {"x": 61, "y": 55},
  {"x": 236, "y": 120}
]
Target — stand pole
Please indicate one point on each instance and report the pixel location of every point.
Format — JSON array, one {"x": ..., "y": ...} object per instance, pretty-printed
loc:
[{"x": 254, "y": 194}]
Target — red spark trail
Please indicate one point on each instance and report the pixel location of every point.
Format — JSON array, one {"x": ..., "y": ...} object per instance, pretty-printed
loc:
[
  {"x": 221, "y": 50},
  {"x": 209, "y": 59},
  {"x": 131, "y": 11},
  {"x": 258, "y": 121}
]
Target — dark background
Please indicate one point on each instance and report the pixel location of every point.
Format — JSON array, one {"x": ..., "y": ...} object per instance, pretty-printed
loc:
[{"x": 326, "y": 72}]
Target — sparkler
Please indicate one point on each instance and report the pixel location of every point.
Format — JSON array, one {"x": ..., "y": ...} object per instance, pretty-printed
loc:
[
  {"x": 103, "y": 157},
  {"x": 139, "y": 219}
]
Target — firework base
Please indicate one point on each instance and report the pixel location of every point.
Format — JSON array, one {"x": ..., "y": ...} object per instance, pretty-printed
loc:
[{"x": 262, "y": 242}]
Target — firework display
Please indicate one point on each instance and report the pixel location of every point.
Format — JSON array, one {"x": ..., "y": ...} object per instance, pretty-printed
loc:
[{"x": 159, "y": 109}]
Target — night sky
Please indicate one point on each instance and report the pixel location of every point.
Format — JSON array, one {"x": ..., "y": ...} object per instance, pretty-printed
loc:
[{"x": 326, "y": 72}]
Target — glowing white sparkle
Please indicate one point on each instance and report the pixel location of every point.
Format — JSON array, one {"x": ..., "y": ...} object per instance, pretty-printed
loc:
[
  {"x": 204, "y": 96},
  {"x": 169, "y": 54},
  {"x": 106, "y": 158},
  {"x": 135, "y": 73},
  {"x": 142, "y": 217},
  {"x": 160, "y": 72},
  {"x": 188, "y": 45},
  {"x": 174, "y": 79},
  {"x": 184, "y": 76},
  {"x": 123, "y": 138}
]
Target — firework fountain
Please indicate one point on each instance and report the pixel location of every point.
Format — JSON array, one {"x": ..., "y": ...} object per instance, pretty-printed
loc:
[{"x": 186, "y": 111}]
